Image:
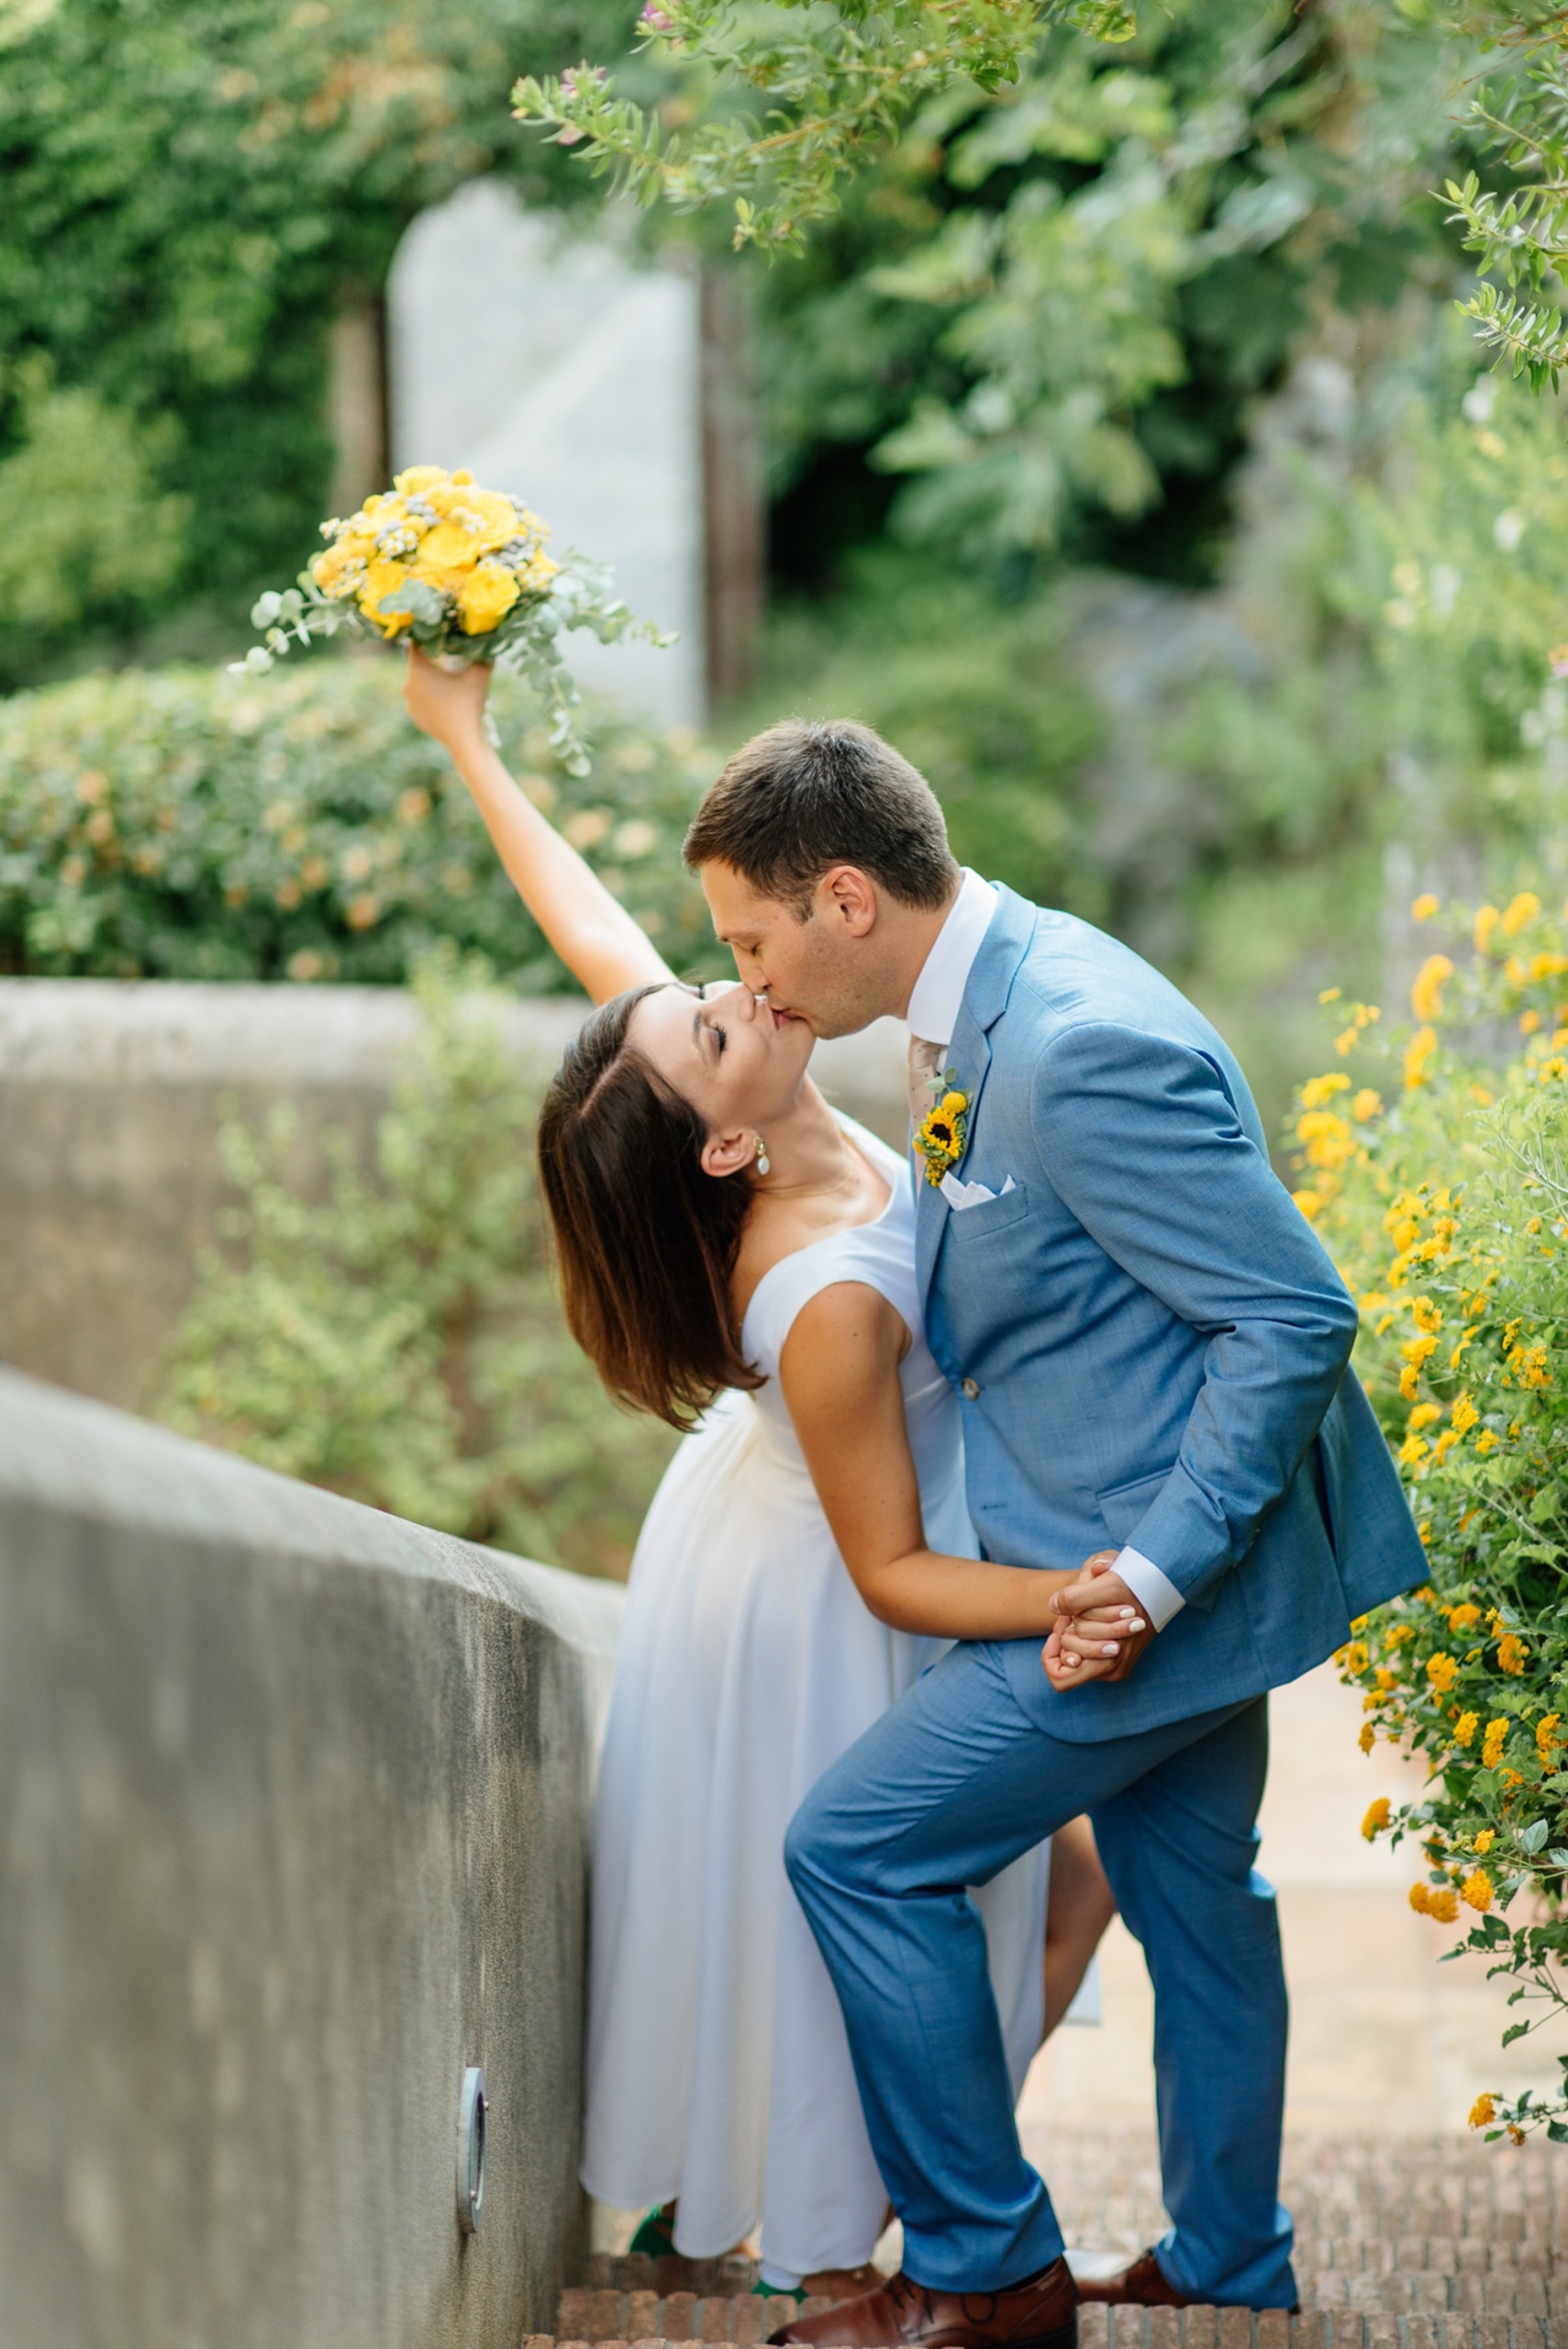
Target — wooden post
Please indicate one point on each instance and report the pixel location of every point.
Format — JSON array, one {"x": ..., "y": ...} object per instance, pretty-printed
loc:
[
  {"x": 356, "y": 401},
  {"x": 732, "y": 486}
]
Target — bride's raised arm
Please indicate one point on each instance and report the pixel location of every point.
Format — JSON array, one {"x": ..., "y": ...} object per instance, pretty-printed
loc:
[{"x": 591, "y": 930}]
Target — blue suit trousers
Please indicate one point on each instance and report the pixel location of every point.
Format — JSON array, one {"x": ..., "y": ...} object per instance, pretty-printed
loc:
[{"x": 948, "y": 1786}]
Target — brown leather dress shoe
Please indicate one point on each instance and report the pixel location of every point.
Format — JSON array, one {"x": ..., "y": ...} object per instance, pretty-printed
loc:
[
  {"x": 1040, "y": 2313},
  {"x": 1144, "y": 2285}
]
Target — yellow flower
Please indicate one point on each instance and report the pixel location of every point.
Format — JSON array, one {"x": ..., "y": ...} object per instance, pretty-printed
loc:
[
  {"x": 1487, "y": 1441},
  {"x": 363, "y": 912},
  {"x": 1354, "y": 1657},
  {"x": 1422, "y": 1898},
  {"x": 1529, "y": 1022},
  {"x": 1548, "y": 966},
  {"x": 1423, "y": 1415},
  {"x": 1484, "y": 1841},
  {"x": 1443, "y": 1908},
  {"x": 1486, "y": 922},
  {"x": 1511, "y": 1654},
  {"x": 1409, "y": 1378},
  {"x": 1546, "y": 1740},
  {"x": 1464, "y": 1416},
  {"x": 1425, "y": 1314},
  {"x": 1418, "y": 1053},
  {"x": 1310, "y": 1203},
  {"x": 1426, "y": 994},
  {"x": 940, "y": 1136},
  {"x": 1318, "y": 1091},
  {"x": 448, "y": 549},
  {"x": 1425, "y": 907},
  {"x": 1376, "y": 1818},
  {"x": 1413, "y": 1450},
  {"x": 415, "y": 478},
  {"x": 1463, "y": 1618},
  {"x": 1492, "y": 1744},
  {"x": 1368, "y": 1737},
  {"x": 1465, "y": 1727},
  {"x": 1442, "y": 1672},
  {"x": 383, "y": 578},
  {"x": 1483, "y": 2112},
  {"x": 487, "y": 596},
  {"x": 1417, "y": 1351},
  {"x": 1327, "y": 1138},
  {"x": 1520, "y": 910},
  {"x": 337, "y": 568},
  {"x": 1476, "y": 1891},
  {"x": 1366, "y": 1106}
]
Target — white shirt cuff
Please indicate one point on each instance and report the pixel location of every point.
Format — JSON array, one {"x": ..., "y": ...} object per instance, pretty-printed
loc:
[{"x": 1155, "y": 1592}]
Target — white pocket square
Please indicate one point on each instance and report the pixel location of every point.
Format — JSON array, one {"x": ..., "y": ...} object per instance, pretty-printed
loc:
[{"x": 970, "y": 1195}]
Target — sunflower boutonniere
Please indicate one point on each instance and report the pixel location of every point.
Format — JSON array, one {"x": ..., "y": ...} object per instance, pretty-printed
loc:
[{"x": 942, "y": 1136}]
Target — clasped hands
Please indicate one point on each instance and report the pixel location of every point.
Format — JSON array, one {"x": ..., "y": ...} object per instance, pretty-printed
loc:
[{"x": 1100, "y": 1630}]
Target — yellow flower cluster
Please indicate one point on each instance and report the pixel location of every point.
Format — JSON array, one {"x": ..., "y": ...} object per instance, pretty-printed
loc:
[
  {"x": 941, "y": 1136},
  {"x": 477, "y": 549}
]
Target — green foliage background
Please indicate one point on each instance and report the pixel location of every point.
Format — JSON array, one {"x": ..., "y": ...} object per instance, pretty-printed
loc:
[{"x": 399, "y": 1342}]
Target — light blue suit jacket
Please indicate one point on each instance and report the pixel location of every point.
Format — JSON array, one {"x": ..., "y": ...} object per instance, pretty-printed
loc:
[{"x": 1150, "y": 1343}]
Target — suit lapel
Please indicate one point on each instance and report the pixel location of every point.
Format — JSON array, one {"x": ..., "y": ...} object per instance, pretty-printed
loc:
[{"x": 969, "y": 1056}]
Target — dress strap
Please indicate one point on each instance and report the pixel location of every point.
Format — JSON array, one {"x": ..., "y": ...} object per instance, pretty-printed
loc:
[{"x": 784, "y": 1292}]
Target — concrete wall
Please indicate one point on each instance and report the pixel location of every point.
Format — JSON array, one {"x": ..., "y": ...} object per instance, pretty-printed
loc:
[
  {"x": 293, "y": 1813},
  {"x": 110, "y": 1178}
]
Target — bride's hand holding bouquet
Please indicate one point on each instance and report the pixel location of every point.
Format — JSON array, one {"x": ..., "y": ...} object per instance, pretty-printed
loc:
[{"x": 460, "y": 573}]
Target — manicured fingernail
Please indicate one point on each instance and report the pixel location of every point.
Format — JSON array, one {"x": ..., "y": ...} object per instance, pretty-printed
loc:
[
  {"x": 1138, "y": 1624},
  {"x": 1109, "y": 1648}
]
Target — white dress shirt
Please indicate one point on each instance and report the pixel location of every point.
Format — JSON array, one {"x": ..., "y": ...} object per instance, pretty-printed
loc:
[{"x": 932, "y": 1016}]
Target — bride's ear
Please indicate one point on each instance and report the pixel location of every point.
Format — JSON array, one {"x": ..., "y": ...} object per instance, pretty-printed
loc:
[{"x": 727, "y": 1153}]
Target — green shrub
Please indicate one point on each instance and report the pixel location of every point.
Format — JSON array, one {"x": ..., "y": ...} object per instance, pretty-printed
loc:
[
  {"x": 1436, "y": 1169},
  {"x": 399, "y": 1342},
  {"x": 186, "y": 824}
]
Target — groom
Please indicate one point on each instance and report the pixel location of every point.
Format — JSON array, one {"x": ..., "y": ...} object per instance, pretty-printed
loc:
[{"x": 1151, "y": 1350}]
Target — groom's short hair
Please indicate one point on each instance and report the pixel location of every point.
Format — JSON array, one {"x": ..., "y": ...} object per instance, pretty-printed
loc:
[{"x": 810, "y": 793}]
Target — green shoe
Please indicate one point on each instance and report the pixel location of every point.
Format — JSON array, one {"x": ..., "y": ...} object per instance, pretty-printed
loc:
[{"x": 656, "y": 2235}]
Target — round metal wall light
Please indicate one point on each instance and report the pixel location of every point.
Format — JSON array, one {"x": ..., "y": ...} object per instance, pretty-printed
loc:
[{"x": 471, "y": 2150}]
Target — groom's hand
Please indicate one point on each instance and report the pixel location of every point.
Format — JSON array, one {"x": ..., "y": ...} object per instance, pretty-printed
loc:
[{"x": 1100, "y": 1631}]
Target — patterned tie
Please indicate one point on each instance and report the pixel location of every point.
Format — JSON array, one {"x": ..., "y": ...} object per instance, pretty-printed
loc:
[{"x": 925, "y": 1076}]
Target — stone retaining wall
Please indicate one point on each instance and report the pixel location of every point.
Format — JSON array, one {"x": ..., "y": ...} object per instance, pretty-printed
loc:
[{"x": 293, "y": 1804}]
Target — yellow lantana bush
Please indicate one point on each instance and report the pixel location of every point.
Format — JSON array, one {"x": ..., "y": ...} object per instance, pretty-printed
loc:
[
  {"x": 463, "y": 572},
  {"x": 1433, "y": 1162}
]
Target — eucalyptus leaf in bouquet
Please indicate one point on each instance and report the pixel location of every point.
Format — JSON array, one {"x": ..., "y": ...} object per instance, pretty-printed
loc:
[{"x": 463, "y": 572}]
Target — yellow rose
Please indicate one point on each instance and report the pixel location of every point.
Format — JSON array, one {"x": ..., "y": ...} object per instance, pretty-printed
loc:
[
  {"x": 383, "y": 578},
  {"x": 448, "y": 547},
  {"x": 488, "y": 594},
  {"x": 415, "y": 479}
]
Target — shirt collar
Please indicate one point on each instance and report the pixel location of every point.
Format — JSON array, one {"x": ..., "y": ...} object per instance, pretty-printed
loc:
[{"x": 938, "y": 992}]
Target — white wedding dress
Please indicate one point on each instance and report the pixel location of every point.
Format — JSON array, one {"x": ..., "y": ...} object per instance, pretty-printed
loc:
[{"x": 719, "y": 2071}]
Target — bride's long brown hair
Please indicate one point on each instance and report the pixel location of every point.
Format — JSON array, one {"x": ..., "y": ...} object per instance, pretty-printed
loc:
[{"x": 646, "y": 1242}]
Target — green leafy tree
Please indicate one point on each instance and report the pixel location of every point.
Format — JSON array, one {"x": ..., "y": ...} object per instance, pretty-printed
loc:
[{"x": 192, "y": 194}]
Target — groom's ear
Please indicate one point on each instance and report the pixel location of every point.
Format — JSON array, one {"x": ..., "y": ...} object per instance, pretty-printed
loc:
[
  {"x": 846, "y": 901},
  {"x": 727, "y": 1153}
]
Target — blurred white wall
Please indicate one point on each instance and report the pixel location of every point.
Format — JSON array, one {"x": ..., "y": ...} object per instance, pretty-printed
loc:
[{"x": 557, "y": 371}]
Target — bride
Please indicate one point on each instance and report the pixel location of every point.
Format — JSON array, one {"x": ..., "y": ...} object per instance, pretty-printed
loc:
[{"x": 738, "y": 1259}]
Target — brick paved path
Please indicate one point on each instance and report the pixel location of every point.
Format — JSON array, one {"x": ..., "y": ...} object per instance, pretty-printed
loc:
[{"x": 1429, "y": 2243}]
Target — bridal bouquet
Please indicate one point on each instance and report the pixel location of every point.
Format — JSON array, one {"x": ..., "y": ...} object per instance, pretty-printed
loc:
[{"x": 463, "y": 572}]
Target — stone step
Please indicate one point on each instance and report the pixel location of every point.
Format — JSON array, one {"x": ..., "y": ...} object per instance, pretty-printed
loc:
[{"x": 1197, "y": 2328}]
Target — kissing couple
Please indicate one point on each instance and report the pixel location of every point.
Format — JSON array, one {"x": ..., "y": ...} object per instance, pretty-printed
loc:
[{"x": 1017, "y": 1470}]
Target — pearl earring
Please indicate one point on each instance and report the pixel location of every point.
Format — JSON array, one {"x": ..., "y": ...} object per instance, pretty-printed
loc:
[{"x": 762, "y": 1165}]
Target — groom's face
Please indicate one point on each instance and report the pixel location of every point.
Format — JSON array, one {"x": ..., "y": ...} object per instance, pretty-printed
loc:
[{"x": 818, "y": 971}]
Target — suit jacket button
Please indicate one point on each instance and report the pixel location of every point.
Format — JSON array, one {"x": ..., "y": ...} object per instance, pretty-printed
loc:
[{"x": 972, "y": 1388}]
